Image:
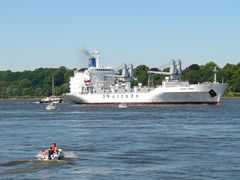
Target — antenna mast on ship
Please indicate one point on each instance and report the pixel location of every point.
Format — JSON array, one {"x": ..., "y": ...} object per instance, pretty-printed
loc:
[{"x": 215, "y": 74}]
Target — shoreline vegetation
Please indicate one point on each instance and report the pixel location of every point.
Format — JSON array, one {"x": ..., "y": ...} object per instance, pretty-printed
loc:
[
  {"x": 232, "y": 95},
  {"x": 38, "y": 83}
]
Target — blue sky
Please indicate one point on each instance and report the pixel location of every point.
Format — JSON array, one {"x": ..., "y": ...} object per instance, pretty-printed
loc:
[{"x": 52, "y": 33}]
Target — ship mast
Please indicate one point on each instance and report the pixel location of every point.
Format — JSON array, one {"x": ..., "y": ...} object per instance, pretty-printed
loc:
[{"x": 215, "y": 74}]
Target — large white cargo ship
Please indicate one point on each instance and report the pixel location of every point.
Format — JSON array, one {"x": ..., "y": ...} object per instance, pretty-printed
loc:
[{"x": 101, "y": 85}]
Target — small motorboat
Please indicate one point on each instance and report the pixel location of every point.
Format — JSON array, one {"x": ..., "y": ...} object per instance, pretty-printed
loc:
[
  {"x": 51, "y": 106},
  {"x": 43, "y": 155},
  {"x": 122, "y": 105}
]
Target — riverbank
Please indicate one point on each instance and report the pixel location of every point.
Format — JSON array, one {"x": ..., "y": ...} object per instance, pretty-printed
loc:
[{"x": 232, "y": 95}]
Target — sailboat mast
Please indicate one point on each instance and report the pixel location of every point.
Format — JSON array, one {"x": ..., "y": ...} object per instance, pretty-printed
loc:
[{"x": 53, "y": 93}]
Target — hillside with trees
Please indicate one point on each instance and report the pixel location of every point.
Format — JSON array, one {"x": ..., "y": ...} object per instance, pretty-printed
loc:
[{"x": 38, "y": 83}]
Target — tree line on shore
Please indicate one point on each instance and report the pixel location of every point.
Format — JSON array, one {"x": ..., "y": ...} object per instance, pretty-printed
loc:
[{"x": 38, "y": 83}]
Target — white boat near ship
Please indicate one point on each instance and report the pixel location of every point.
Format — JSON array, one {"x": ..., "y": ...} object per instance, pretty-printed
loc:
[{"x": 101, "y": 85}]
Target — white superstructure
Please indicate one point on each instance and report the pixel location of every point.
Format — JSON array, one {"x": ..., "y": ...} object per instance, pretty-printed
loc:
[{"x": 99, "y": 85}]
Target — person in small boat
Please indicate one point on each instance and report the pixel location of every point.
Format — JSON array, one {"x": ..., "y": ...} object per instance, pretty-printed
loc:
[
  {"x": 53, "y": 149},
  {"x": 50, "y": 152},
  {"x": 44, "y": 152}
]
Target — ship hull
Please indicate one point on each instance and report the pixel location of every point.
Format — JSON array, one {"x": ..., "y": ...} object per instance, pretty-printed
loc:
[{"x": 192, "y": 94}]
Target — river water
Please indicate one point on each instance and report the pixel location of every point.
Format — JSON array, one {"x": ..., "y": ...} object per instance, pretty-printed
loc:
[{"x": 105, "y": 142}]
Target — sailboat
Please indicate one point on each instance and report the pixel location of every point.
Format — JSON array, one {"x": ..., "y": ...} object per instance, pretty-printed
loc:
[{"x": 52, "y": 99}]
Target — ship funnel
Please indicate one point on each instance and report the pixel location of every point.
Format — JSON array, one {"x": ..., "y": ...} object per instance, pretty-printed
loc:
[
  {"x": 96, "y": 54},
  {"x": 94, "y": 60}
]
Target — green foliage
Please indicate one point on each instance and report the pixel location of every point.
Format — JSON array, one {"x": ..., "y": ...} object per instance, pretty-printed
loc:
[
  {"x": 140, "y": 73},
  {"x": 35, "y": 83}
]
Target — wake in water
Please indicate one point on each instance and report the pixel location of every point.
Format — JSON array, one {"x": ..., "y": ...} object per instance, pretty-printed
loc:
[
  {"x": 70, "y": 154},
  {"x": 13, "y": 163},
  {"x": 33, "y": 165}
]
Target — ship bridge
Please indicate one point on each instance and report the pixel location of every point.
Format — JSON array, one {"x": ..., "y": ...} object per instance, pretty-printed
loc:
[{"x": 101, "y": 78}]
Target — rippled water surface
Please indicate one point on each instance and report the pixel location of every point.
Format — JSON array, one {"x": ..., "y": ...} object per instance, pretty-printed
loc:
[{"x": 105, "y": 142}]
